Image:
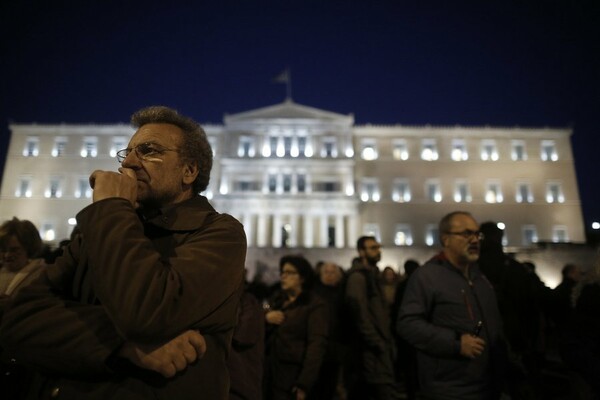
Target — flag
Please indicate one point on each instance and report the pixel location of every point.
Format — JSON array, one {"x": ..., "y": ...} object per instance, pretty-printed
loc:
[{"x": 283, "y": 77}]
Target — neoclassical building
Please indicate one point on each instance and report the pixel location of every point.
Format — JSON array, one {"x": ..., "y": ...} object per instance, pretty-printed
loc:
[{"x": 301, "y": 177}]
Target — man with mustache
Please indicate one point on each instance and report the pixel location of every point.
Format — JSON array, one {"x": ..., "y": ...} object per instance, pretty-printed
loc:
[
  {"x": 150, "y": 285},
  {"x": 449, "y": 314}
]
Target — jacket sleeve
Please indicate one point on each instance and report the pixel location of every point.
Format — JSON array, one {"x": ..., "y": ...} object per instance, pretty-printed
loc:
[
  {"x": 357, "y": 300},
  {"x": 318, "y": 329},
  {"x": 154, "y": 297},
  {"x": 42, "y": 328},
  {"x": 413, "y": 320}
]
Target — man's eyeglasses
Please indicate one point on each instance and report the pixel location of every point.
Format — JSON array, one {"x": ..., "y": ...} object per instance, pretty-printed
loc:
[
  {"x": 144, "y": 151},
  {"x": 468, "y": 234}
]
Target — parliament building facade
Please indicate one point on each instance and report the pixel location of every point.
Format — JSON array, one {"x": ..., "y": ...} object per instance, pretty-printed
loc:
[{"x": 300, "y": 177}]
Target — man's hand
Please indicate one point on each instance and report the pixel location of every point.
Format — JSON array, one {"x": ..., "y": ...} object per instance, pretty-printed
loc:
[
  {"x": 275, "y": 317},
  {"x": 168, "y": 358},
  {"x": 108, "y": 184},
  {"x": 300, "y": 394},
  {"x": 471, "y": 346}
]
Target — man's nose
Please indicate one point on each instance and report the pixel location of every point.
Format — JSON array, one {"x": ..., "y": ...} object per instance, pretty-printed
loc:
[{"x": 132, "y": 160}]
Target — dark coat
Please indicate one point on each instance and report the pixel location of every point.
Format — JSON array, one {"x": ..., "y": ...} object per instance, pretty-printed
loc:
[
  {"x": 129, "y": 277},
  {"x": 295, "y": 348},
  {"x": 440, "y": 305},
  {"x": 370, "y": 318}
]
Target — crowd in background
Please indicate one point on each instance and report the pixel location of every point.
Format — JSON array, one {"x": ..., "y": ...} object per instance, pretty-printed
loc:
[{"x": 297, "y": 339}]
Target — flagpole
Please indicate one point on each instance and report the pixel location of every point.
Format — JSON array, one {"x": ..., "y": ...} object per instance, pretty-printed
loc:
[{"x": 288, "y": 84}]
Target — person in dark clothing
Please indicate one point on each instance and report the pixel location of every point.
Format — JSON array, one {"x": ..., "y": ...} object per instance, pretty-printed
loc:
[
  {"x": 450, "y": 314},
  {"x": 150, "y": 285},
  {"x": 371, "y": 375},
  {"x": 520, "y": 305},
  {"x": 406, "y": 361},
  {"x": 330, "y": 287},
  {"x": 296, "y": 334},
  {"x": 246, "y": 358},
  {"x": 582, "y": 344},
  {"x": 561, "y": 304}
]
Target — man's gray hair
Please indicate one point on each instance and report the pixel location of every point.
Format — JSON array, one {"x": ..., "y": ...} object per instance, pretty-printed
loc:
[{"x": 195, "y": 147}]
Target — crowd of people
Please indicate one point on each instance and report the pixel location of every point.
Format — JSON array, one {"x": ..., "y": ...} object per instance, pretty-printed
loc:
[{"x": 148, "y": 300}]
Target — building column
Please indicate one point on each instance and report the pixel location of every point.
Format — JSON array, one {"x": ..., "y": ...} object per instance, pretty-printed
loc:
[
  {"x": 308, "y": 231},
  {"x": 276, "y": 231},
  {"x": 352, "y": 230},
  {"x": 261, "y": 230},
  {"x": 279, "y": 189},
  {"x": 248, "y": 227},
  {"x": 339, "y": 231},
  {"x": 323, "y": 225},
  {"x": 293, "y": 240}
]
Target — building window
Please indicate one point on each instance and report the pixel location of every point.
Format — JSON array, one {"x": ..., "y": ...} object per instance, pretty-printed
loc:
[
  {"x": 24, "y": 187},
  {"x": 518, "y": 152},
  {"x": 372, "y": 230},
  {"x": 287, "y": 182},
  {"x": 459, "y": 150},
  {"x": 433, "y": 191},
  {"x": 118, "y": 143},
  {"x": 47, "y": 232},
  {"x": 301, "y": 182},
  {"x": 432, "y": 235},
  {"x": 401, "y": 191},
  {"x": 246, "y": 147},
  {"x": 329, "y": 149},
  {"x": 529, "y": 235},
  {"x": 429, "y": 150},
  {"x": 559, "y": 234},
  {"x": 90, "y": 147},
  {"x": 493, "y": 192},
  {"x": 368, "y": 149},
  {"x": 32, "y": 147},
  {"x": 489, "y": 151},
  {"x": 400, "y": 151},
  {"x": 54, "y": 190},
  {"x": 245, "y": 184},
  {"x": 60, "y": 144},
  {"x": 548, "y": 151},
  {"x": 279, "y": 147},
  {"x": 462, "y": 192},
  {"x": 83, "y": 189},
  {"x": 524, "y": 194},
  {"x": 403, "y": 235},
  {"x": 369, "y": 190},
  {"x": 554, "y": 193},
  {"x": 272, "y": 183}
]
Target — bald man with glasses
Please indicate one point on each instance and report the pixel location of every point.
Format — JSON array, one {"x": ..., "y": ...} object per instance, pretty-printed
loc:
[{"x": 449, "y": 314}]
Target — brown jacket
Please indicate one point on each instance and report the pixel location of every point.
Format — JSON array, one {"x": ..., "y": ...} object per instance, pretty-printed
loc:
[{"x": 128, "y": 277}]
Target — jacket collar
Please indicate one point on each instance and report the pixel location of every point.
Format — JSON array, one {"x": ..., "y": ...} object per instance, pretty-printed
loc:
[
  {"x": 187, "y": 215},
  {"x": 441, "y": 259}
]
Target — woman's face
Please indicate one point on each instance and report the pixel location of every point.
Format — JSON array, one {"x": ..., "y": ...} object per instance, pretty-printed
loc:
[
  {"x": 290, "y": 278},
  {"x": 14, "y": 255}
]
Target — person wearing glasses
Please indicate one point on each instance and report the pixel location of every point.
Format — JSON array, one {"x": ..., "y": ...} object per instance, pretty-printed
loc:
[
  {"x": 449, "y": 314},
  {"x": 297, "y": 325},
  {"x": 142, "y": 304}
]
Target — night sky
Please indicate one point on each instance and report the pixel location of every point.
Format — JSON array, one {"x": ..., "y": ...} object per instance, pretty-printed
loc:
[{"x": 508, "y": 63}]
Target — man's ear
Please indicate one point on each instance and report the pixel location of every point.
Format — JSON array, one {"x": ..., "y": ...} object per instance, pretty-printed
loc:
[
  {"x": 444, "y": 240},
  {"x": 190, "y": 172}
]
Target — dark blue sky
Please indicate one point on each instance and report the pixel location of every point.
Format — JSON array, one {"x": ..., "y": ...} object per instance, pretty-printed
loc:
[{"x": 503, "y": 63}]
